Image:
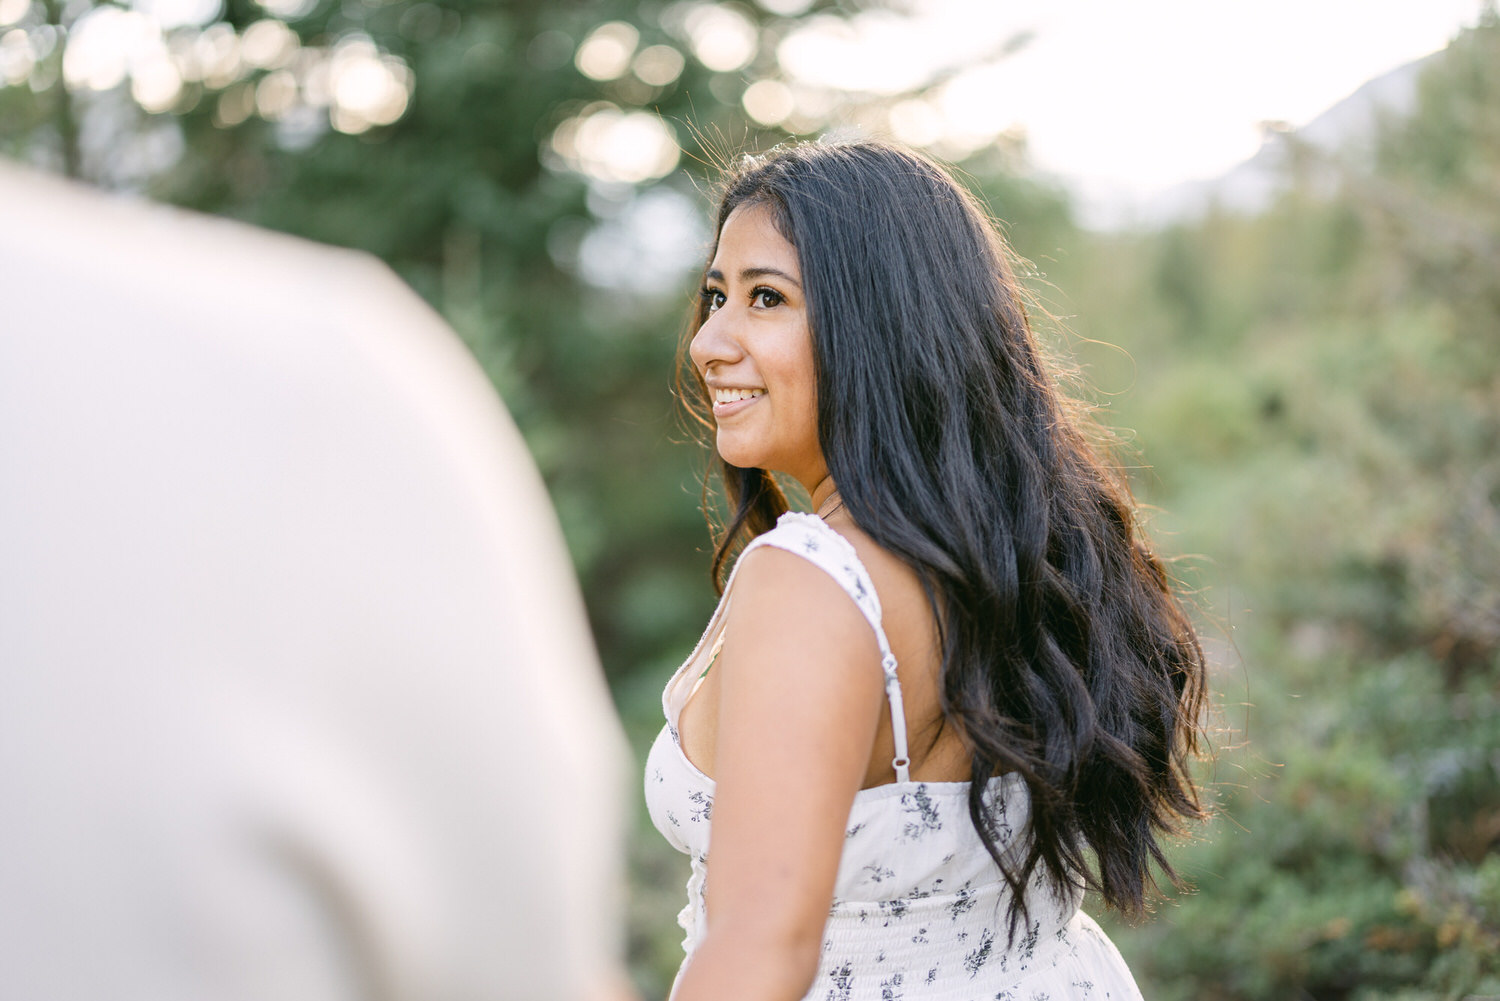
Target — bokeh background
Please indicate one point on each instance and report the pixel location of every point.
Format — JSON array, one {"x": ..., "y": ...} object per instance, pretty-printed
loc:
[{"x": 1301, "y": 353}]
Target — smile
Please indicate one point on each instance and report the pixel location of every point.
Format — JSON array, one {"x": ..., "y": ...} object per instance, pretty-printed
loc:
[{"x": 732, "y": 401}]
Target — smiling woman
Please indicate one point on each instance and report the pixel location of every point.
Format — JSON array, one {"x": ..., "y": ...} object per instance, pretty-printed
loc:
[
  {"x": 755, "y": 351},
  {"x": 927, "y": 717}
]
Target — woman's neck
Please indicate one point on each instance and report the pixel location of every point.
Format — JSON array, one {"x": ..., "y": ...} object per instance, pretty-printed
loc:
[{"x": 825, "y": 497}]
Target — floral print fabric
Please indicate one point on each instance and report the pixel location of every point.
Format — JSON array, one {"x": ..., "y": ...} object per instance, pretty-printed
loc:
[{"x": 919, "y": 909}]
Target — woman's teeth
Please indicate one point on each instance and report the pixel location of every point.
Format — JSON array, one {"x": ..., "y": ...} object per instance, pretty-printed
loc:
[{"x": 731, "y": 395}]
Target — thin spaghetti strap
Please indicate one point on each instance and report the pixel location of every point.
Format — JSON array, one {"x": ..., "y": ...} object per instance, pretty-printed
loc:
[
  {"x": 902, "y": 761},
  {"x": 811, "y": 537}
]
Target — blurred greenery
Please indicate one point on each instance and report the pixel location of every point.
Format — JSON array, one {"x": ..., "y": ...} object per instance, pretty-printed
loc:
[{"x": 1317, "y": 385}]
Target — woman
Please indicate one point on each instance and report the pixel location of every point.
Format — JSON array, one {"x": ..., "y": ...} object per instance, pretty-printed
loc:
[{"x": 926, "y": 717}]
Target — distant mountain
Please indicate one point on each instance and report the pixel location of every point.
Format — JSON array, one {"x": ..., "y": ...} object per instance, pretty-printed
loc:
[{"x": 1348, "y": 128}]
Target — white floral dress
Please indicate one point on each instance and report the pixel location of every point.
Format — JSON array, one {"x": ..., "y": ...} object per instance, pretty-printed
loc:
[{"x": 919, "y": 907}]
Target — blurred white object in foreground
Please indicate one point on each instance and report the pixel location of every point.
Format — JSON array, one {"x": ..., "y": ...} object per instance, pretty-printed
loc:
[{"x": 297, "y": 698}]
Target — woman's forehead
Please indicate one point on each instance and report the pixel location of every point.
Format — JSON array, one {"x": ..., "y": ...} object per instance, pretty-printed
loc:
[{"x": 750, "y": 237}]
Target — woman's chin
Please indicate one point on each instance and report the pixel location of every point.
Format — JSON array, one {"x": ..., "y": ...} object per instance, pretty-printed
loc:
[{"x": 736, "y": 454}]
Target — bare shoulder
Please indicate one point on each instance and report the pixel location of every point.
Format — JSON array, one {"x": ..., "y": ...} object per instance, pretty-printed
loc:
[
  {"x": 808, "y": 641},
  {"x": 790, "y": 625},
  {"x": 799, "y": 659},
  {"x": 775, "y": 588}
]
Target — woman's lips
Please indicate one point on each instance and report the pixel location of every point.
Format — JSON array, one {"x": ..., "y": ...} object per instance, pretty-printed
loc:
[{"x": 723, "y": 410}]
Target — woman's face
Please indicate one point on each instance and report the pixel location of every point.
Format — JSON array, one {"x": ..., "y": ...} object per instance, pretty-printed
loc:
[{"x": 755, "y": 351}]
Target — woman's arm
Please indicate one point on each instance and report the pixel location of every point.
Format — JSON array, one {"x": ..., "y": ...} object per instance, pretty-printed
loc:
[{"x": 800, "y": 696}]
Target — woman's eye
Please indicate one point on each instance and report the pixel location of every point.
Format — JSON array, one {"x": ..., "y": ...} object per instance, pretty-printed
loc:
[
  {"x": 766, "y": 297},
  {"x": 712, "y": 299}
]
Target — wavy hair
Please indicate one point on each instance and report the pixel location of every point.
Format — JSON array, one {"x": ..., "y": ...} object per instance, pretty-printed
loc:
[{"x": 1066, "y": 655}]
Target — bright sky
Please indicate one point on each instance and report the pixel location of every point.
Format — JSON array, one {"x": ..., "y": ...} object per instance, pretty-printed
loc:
[{"x": 1125, "y": 99}]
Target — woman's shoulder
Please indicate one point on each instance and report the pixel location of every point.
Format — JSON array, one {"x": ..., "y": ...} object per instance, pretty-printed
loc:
[
  {"x": 797, "y": 557},
  {"x": 800, "y": 569},
  {"x": 816, "y": 542},
  {"x": 874, "y": 577},
  {"x": 788, "y": 605}
]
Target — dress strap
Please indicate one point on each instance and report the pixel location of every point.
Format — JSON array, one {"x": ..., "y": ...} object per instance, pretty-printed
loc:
[{"x": 812, "y": 538}]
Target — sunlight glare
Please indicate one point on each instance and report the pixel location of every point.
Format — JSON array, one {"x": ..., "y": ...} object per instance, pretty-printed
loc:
[
  {"x": 155, "y": 84},
  {"x": 16, "y": 58},
  {"x": 974, "y": 106},
  {"x": 608, "y": 144},
  {"x": 217, "y": 51},
  {"x": 658, "y": 65},
  {"x": 722, "y": 38},
  {"x": 605, "y": 53},
  {"x": 103, "y": 44},
  {"x": 769, "y": 101},
  {"x": 171, "y": 14},
  {"x": 276, "y": 95},
  {"x": 368, "y": 88},
  {"x": 11, "y": 11},
  {"x": 784, "y": 8},
  {"x": 235, "y": 105},
  {"x": 268, "y": 44},
  {"x": 874, "y": 52},
  {"x": 916, "y": 122},
  {"x": 314, "y": 76},
  {"x": 1123, "y": 98},
  {"x": 288, "y": 10}
]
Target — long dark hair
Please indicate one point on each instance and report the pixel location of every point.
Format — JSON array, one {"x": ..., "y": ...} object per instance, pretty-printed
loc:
[{"x": 1067, "y": 657}]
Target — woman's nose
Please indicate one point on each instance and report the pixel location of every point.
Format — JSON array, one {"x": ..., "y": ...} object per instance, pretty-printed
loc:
[{"x": 714, "y": 342}]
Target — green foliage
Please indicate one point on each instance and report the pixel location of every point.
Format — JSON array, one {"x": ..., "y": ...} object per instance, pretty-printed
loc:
[
  {"x": 1318, "y": 387},
  {"x": 1351, "y": 852}
]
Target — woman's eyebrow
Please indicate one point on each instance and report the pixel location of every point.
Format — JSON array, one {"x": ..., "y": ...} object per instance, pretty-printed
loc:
[{"x": 750, "y": 274}]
